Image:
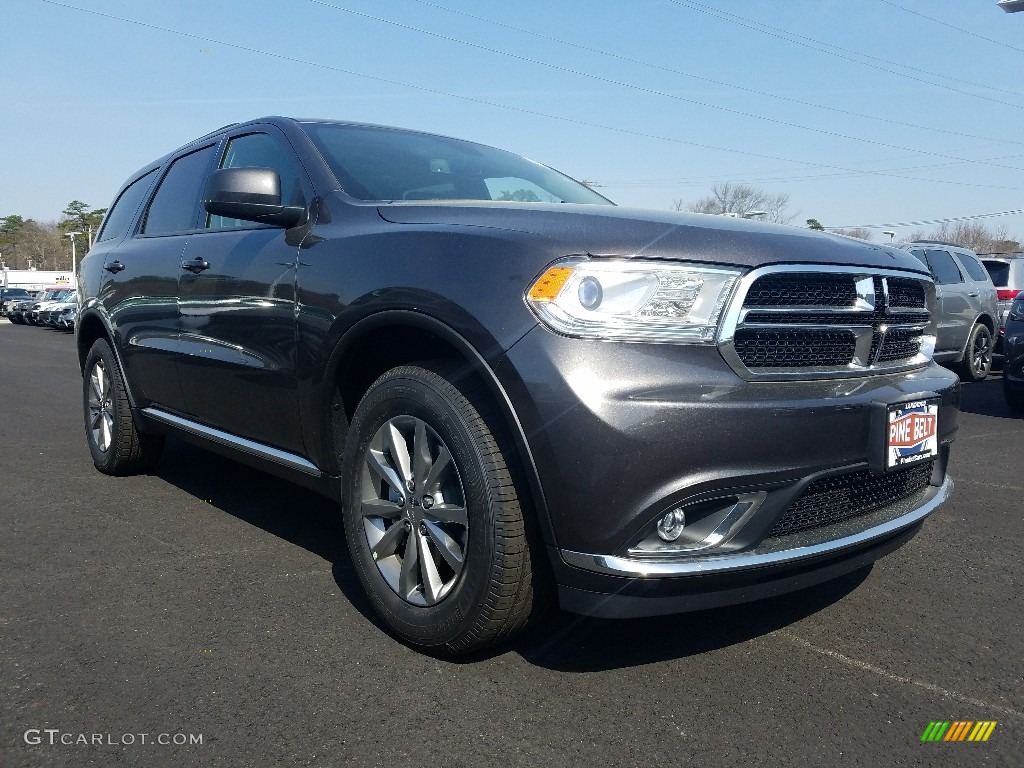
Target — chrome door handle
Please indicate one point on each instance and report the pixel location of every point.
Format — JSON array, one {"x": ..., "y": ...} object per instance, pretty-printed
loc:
[
  {"x": 973, "y": 295},
  {"x": 196, "y": 265},
  {"x": 114, "y": 266}
]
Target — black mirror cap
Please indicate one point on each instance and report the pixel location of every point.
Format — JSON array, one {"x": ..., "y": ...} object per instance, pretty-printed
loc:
[{"x": 250, "y": 194}]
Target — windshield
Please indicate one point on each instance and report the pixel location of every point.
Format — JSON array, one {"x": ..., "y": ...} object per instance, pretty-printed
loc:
[
  {"x": 391, "y": 164},
  {"x": 57, "y": 295}
]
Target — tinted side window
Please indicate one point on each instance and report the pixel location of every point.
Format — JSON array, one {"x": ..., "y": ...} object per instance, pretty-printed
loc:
[
  {"x": 944, "y": 268},
  {"x": 124, "y": 208},
  {"x": 974, "y": 268},
  {"x": 174, "y": 207},
  {"x": 260, "y": 150}
]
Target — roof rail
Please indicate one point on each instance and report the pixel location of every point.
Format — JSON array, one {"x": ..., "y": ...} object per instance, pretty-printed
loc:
[{"x": 939, "y": 242}]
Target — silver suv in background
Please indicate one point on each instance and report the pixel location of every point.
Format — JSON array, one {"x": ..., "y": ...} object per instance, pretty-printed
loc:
[
  {"x": 967, "y": 305},
  {"x": 1007, "y": 273}
]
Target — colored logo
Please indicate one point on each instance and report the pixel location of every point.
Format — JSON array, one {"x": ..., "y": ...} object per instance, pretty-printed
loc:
[
  {"x": 911, "y": 429},
  {"x": 958, "y": 730}
]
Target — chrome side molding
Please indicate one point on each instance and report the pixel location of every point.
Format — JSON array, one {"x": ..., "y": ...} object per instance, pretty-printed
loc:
[{"x": 290, "y": 460}]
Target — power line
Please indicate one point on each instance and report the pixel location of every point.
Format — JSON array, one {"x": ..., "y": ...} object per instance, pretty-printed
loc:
[
  {"x": 762, "y": 177},
  {"x": 725, "y": 84},
  {"x": 486, "y": 102},
  {"x": 933, "y": 221},
  {"x": 650, "y": 91},
  {"x": 810, "y": 42},
  {"x": 952, "y": 26}
]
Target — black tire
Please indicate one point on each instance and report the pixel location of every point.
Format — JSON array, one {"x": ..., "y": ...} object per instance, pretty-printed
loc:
[
  {"x": 1014, "y": 396},
  {"x": 116, "y": 445},
  {"x": 425, "y": 411},
  {"x": 977, "y": 361}
]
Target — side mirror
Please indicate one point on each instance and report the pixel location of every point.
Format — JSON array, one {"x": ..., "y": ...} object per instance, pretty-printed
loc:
[{"x": 250, "y": 194}]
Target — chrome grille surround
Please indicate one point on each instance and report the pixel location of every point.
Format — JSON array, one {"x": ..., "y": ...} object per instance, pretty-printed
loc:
[{"x": 822, "y": 321}]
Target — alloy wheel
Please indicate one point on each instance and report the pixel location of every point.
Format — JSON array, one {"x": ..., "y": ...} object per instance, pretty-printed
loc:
[
  {"x": 413, "y": 508},
  {"x": 101, "y": 417},
  {"x": 980, "y": 353}
]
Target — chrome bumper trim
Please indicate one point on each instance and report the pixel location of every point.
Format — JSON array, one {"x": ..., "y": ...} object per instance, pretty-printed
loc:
[{"x": 665, "y": 567}]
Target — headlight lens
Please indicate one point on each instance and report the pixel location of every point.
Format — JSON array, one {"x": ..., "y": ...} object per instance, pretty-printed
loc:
[
  {"x": 632, "y": 300},
  {"x": 1017, "y": 310}
]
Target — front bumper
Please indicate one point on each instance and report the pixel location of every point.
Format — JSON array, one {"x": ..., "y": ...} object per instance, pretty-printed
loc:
[
  {"x": 622, "y": 433},
  {"x": 622, "y": 587}
]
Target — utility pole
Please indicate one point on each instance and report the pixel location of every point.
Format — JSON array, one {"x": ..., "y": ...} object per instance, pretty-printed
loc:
[{"x": 72, "y": 236}]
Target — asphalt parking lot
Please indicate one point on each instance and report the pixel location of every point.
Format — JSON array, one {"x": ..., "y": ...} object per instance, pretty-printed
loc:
[{"x": 210, "y": 600}]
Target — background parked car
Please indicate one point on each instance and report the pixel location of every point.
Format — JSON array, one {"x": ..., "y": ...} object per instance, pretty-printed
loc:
[
  {"x": 17, "y": 310},
  {"x": 66, "y": 320},
  {"x": 1007, "y": 273},
  {"x": 8, "y": 295},
  {"x": 967, "y": 303},
  {"x": 1013, "y": 370},
  {"x": 50, "y": 296},
  {"x": 49, "y": 315}
]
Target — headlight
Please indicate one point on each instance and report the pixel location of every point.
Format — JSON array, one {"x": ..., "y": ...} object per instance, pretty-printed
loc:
[
  {"x": 1017, "y": 310},
  {"x": 632, "y": 300}
]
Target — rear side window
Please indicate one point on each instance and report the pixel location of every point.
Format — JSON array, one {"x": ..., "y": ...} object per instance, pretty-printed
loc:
[
  {"x": 124, "y": 208},
  {"x": 974, "y": 268},
  {"x": 944, "y": 268},
  {"x": 174, "y": 207}
]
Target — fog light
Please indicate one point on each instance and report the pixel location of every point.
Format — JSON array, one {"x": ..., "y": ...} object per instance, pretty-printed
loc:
[{"x": 670, "y": 527}]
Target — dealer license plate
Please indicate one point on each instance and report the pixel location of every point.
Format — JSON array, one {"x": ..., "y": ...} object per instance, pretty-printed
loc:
[{"x": 912, "y": 433}]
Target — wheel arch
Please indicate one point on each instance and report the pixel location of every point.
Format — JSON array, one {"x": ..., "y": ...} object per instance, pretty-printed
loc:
[
  {"x": 371, "y": 347},
  {"x": 92, "y": 324},
  {"x": 982, "y": 319}
]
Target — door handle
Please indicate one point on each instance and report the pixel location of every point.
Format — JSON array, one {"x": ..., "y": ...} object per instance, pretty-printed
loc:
[
  {"x": 114, "y": 266},
  {"x": 973, "y": 295},
  {"x": 196, "y": 265}
]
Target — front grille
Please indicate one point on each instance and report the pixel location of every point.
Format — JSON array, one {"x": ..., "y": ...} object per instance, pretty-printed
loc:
[
  {"x": 842, "y": 497},
  {"x": 763, "y": 348},
  {"x": 899, "y": 344},
  {"x": 796, "y": 322},
  {"x": 784, "y": 290}
]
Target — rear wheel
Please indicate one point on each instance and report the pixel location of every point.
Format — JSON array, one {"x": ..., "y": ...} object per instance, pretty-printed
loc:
[
  {"x": 432, "y": 516},
  {"x": 116, "y": 445},
  {"x": 977, "y": 360}
]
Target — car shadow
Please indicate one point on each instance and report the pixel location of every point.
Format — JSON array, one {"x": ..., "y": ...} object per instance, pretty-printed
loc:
[
  {"x": 560, "y": 641},
  {"x": 985, "y": 398}
]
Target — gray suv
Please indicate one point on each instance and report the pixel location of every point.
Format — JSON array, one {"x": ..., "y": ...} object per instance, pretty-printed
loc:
[
  {"x": 516, "y": 391},
  {"x": 967, "y": 306}
]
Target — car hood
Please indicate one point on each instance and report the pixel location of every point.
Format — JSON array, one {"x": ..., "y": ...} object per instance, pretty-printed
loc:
[{"x": 600, "y": 230}]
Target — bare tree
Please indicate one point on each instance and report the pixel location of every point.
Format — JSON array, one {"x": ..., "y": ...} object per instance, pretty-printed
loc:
[
  {"x": 41, "y": 245},
  {"x": 858, "y": 232},
  {"x": 973, "y": 235},
  {"x": 741, "y": 199}
]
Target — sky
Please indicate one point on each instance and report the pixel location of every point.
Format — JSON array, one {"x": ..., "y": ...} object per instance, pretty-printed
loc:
[{"x": 881, "y": 113}]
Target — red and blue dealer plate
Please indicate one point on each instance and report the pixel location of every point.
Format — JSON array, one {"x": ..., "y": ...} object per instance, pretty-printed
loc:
[{"x": 912, "y": 433}]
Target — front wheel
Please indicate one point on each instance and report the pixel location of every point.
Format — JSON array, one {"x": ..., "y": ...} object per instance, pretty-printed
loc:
[
  {"x": 433, "y": 520},
  {"x": 977, "y": 360},
  {"x": 116, "y": 445}
]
